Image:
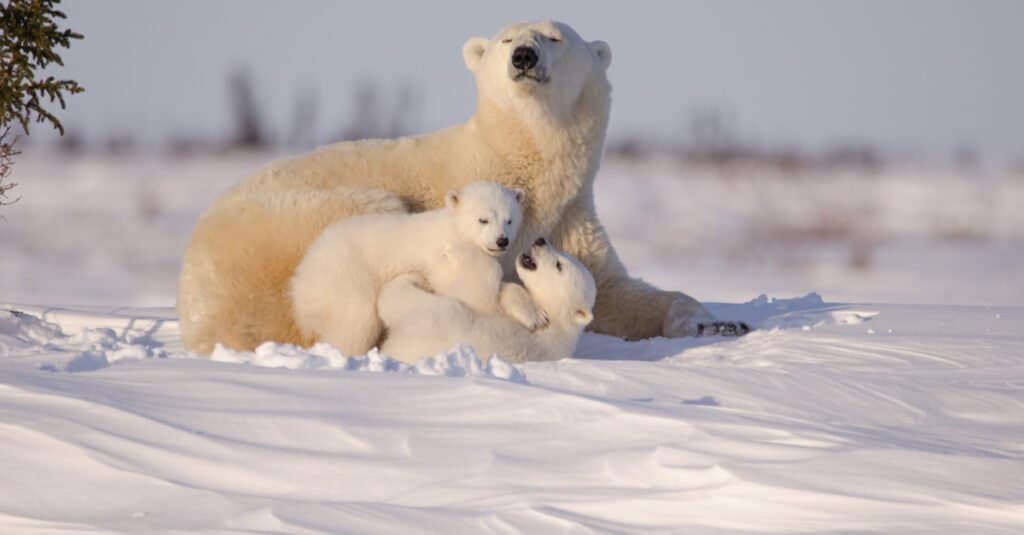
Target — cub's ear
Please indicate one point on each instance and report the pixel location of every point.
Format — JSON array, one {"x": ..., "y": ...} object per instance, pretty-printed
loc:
[
  {"x": 603, "y": 53},
  {"x": 520, "y": 194},
  {"x": 473, "y": 52},
  {"x": 583, "y": 316},
  {"x": 451, "y": 199}
]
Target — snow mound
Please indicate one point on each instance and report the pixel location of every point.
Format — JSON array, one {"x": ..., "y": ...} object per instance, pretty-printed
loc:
[
  {"x": 98, "y": 348},
  {"x": 460, "y": 361},
  {"x": 26, "y": 328},
  {"x": 915, "y": 421},
  {"x": 124, "y": 336},
  {"x": 765, "y": 313}
]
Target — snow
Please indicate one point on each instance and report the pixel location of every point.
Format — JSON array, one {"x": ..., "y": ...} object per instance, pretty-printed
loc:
[
  {"x": 103, "y": 230},
  {"x": 813, "y": 423},
  {"x": 842, "y": 413}
]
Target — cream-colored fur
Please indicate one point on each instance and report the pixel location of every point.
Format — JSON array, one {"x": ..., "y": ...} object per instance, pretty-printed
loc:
[
  {"x": 234, "y": 281},
  {"x": 335, "y": 286},
  {"x": 421, "y": 322},
  {"x": 474, "y": 278},
  {"x": 544, "y": 137}
]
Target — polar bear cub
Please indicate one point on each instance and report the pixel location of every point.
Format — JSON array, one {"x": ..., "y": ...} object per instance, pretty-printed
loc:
[
  {"x": 335, "y": 287},
  {"x": 420, "y": 323}
]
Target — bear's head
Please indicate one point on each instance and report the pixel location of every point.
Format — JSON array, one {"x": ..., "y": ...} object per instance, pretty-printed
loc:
[
  {"x": 559, "y": 284},
  {"x": 486, "y": 214},
  {"x": 541, "y": 62}
]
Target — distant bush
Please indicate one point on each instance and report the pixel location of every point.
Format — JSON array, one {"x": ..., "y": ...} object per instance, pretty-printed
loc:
[{"x": 250, "y": 132}]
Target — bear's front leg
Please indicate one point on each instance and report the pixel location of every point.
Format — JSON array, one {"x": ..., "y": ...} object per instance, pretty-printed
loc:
[
  {"x": 686, "y": 317},
  {"x": 516, "y": 303},
  {"x": 626, "y": 307}
]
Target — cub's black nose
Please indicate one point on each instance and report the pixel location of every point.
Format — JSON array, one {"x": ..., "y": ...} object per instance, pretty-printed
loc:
[
  {"x": 541, "y": 242},
  {"x": 502, "y": 242},
  {"x": 524, "y": 58}
]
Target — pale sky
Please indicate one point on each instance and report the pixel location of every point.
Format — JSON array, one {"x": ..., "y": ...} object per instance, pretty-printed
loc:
[{"x": 917, "y": 77}]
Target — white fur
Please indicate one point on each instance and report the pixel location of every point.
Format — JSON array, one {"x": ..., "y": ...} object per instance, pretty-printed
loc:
[
  {"x": 335, "y": 286},
  {"x": 544, "y": 137},
  {"x": 473, "y": 277},
  {"x": 420, "y": 323}
]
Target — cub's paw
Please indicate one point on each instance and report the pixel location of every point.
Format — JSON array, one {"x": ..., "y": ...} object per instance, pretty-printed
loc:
[
  {"x": 516, "y": 303},
  {"x": 414, "y": 279},
  {"x": 530, "y": 317},
  {"x": 723, "y": 328}
]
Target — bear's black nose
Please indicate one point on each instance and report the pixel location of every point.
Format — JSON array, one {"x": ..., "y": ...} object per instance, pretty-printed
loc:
[
  {"x": 541, "y": 242},
  {"x": 502, "y": 242},
  {"x": 524, "y": 58},
  {"x": 527, "y": 262}
]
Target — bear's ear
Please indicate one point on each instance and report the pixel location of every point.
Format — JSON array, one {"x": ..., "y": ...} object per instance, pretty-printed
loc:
[
  {"x": 603, "y": 53},
  {"x": 451, "y": 199},
  {"x": 583, "y": 316},
  {"x": 520, "y": 194},
  {"x": 473, "y": 52}
]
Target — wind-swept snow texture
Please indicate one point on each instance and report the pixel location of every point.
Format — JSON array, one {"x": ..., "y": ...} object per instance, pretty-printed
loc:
[{"x": 828, "y": 419}]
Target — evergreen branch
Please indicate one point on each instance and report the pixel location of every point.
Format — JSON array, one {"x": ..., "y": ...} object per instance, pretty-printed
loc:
[{"x": 30, "y": 40}]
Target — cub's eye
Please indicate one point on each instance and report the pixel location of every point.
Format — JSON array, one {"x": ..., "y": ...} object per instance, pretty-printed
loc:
[
  {"x": 554, "y": 40},
  {"x": 483, "y": 221},
  {"x": 506, "y": 41},
  {"x": 509, "y": 222},
  {"x": 558, "y": 266}
]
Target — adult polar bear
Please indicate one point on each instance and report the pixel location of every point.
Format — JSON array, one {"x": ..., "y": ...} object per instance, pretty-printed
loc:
[{"x": 542, "y": 111}]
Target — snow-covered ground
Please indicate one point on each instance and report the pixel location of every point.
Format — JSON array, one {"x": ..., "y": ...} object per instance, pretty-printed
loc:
[
  {"x": 109, "y": 231},
  {"x": 830, "y": 418}
]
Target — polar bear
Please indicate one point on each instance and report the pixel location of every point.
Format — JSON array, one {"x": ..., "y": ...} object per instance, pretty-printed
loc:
[
  {"x": 465, "y": 276},
  {"x": 420, "y": 323},
  {"x": 335, "y": 286},
  {"x": 543, "y": 100},
  {"x": 475, "y": 278}
]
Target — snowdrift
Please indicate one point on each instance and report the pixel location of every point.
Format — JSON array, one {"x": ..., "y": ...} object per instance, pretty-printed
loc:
[{"x": 829, "y": 418}]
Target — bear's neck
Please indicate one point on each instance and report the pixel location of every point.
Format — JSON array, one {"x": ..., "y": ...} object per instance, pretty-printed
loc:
[{"x": 553, "y": 156}]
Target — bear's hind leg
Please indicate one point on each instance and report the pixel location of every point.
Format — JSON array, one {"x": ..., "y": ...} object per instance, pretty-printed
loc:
[{"x": 234, "y": 280}]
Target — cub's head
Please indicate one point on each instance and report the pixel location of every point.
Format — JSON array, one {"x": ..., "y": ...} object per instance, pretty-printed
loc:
[
  {"x": 558, "y": 283},
  {"x": 486, "y": 214},
  {"x": 542, "y": 60}
]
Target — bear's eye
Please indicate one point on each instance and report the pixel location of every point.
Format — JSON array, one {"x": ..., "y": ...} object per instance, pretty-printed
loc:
[
  {"x": 506, "y": 41},
  {"x": 509, "y": 222},
  {"x": 483, "y": 221},
  {"x": 554, "y": 39},
  {"x": 558, "y": 266}
]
